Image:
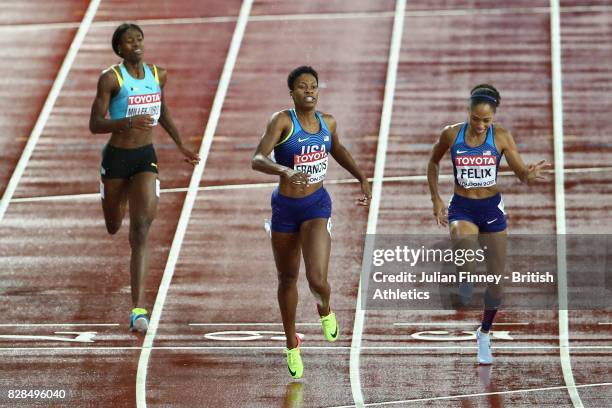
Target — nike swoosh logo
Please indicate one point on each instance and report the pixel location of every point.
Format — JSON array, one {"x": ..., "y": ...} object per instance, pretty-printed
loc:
[
  {"x": 335, "y": 334},
  {"x": 461, "y": 151},
  {"x": 154, "y": 165},
  {"x": 302, "y": 140},
  {"x": 291, "y": 372},
  {"x": 492, "y": 221}
]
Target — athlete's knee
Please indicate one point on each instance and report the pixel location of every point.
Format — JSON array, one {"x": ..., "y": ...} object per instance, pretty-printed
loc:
[
  {"x": 316, "y": 282},
  {"x": 319, "y": 288},
  {"x": 287, "y": 279},
  {"x": 113, "y": 226},
  {"x": 461, "y": 241},
  {"x": 113, "y": 215},
  {"x": 464, "y": 231},
  {"x": 139, "y": 231}
]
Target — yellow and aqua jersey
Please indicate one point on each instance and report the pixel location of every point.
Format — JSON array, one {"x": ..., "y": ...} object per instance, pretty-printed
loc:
[
  {"x": 136, "y": 96},
  {"x": 303, "y": 151}
]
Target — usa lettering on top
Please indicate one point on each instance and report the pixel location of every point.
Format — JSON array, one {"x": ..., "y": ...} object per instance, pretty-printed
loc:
[{"x": 312, "y": 162}]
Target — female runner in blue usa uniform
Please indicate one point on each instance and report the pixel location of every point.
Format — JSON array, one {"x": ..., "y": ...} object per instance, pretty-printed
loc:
[
  {"x": 302, "y": 139},
  {"x": 476, "y": 211},
  {"x": 132, "y": 93}
]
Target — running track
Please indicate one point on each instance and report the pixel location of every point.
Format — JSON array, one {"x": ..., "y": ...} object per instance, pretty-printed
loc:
[{"x": 61, "y": 269}]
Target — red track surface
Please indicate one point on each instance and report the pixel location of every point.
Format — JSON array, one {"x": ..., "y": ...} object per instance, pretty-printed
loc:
[
  {"x": 28, "y": 72},
  {"x": 58, "y": 266},
  {"x": 40, "y": 12}
]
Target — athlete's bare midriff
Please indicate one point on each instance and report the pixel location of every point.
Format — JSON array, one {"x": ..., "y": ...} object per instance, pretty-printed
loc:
[
  {"x": 131, "y": 138},
  {"x": 476, "y": 193},
  {"x": 291, "y": 190}
]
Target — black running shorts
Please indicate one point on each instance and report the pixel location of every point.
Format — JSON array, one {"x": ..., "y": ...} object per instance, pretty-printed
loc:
[{"x": 124, "y": 163}]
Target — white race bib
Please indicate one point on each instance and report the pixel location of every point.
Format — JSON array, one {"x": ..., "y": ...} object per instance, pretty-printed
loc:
[
  {"x": 313, "y": 164},
  {"x": 149, "y": 104},
  {"x": 476, "y": 171}
]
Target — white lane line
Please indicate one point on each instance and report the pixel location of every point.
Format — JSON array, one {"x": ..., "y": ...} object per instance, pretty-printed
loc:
[
  {"x": 557, "y": 99},
  {"x": 206, "y": 20},
  {"x": 251, "y": 324},
  {"x": 510, "y": 347},
  {"x": 379, "y": 173},
  {"x": 58, "y": 324},
  {"x": 68, "y": 349},
  {"x": 347, "y": 348},
  {"x": 602, "y": 323},
  {"x": 48, "y": 106},
  {"x": 211, "y": 126},
  {"x": 371, "y": 348},
  {"x": 586, "y": 9},
  {"x": 325, "y": 16},
  {"x": 316, "y": 16},
  {"x": 458, "y": 324},
  {"x": 81, "y": 337},
  {"x": 38, "y": 26},
  {"x": 506, "y": 11},
  {"x": 479, "y": 394},
  {"x": 248, "y": 186}
]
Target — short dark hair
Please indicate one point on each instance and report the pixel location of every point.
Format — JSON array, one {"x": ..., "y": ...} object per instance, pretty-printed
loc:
[
  {"x": 485, "y": 93},
  {"x": 304, "y": 69},
  {"x": 119, "y": 31}
]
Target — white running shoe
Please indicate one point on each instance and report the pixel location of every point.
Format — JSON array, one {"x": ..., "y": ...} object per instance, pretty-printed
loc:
[{"x": 484, "y": 348}]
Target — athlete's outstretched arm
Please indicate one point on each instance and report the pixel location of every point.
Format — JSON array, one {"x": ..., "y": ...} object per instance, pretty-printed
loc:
[
  {"x": 107, "y": 85},
  {"x": 527, "y": 174},
  {"x": 165, "y": 120},
  {"x": 278, "y": 125},
  {"x": 433, "y": 172},
  {"x": 345, "y": 159}
]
